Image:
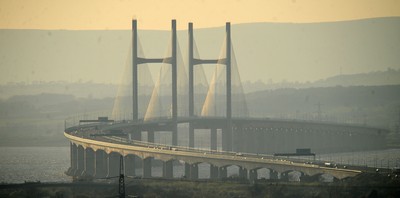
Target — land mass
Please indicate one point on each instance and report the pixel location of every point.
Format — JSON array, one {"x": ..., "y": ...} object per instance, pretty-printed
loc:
[{"x": 364, "y": 185}]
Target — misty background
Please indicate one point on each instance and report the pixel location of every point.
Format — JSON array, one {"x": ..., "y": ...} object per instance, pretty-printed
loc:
[{"x": 347, "y": 72}]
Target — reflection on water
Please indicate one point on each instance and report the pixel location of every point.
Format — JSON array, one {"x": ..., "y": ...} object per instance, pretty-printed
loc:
[{"x": 48, "y": 164}]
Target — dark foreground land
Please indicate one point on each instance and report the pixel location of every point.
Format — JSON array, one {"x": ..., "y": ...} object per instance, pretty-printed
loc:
[{"x": 365, "y": 185}]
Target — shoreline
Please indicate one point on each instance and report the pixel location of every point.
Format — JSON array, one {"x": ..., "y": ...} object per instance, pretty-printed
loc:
[{"x": 359, "y": 186}]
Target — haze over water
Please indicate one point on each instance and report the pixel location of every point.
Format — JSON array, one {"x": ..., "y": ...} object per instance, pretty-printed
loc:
[{"x": 48, "y": 164}]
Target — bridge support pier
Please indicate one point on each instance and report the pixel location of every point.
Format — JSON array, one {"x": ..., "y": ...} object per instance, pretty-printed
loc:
[
  {"x": 101, "y": 164},
  {"x": 113, "y": 164},
  {"x": 90, "y": 162},
  {"x": 80, "y": 161},
  {"x": 73, "y": 157},
  {"x": 194, "y": 171},
  {"x": 273, "y": 175},
  {"x": 150, "y": 136},
  {"x": 242, "y": 173},
  {"x": 147, "y": 162},
  {"x": 191, "y": 135},
  {"x": 213, "y": 172},
  {"x": 129, "y": 165},
  {"x": 284, "y": 176},
  {"x": 168, "y": 169},
  {"x": 213, "y": 137},
  {"x": 222, "y": 173},
  {"x": 175, "y": 135},
  {"x": 237, "y": 141},
  {"x": 147, "y": 168},
  {"x": 137, "y": 161},
  {"x": 253, "y": 175},
  {"x": 187, "y": 170},
  {"x": 227, "y": 138}
]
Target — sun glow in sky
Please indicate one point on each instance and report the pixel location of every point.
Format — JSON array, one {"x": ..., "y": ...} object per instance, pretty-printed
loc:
[{"x": 156, "y": 14}]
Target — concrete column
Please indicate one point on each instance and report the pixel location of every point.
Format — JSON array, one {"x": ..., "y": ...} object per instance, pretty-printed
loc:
[
  {"x": 191, "y": 83},
  {"x": 238, "y": 137},
  {"x": 227, "y": 139},
  {"x": 187, "y": 170},
  {"x": 253, "y": 175},
  {"x": 108, "y": 165},
  {"x": 242, "y": 173},
  {"x": 284, "y": 176},
  {"x": 113, "y": 164},
  {"x": 273, "y": 175},
  {"x": 129, "y": 165},
  {"x": 191, "y": 72},
  {"x": 174, "y": 72},
  {"x": 135, "y": 62},
  {"x": 174, "y": 69},
  {"x": 150, "y": 136},
  {"x": 90, "y": 161},
  {"x": 222, "y": 173},
  {"x": 80, "y": 165},
  {"x": 147, "y": 168},
  {"x": 168, "y": 169},
  {"x": 73, "y": 157},
  {"x": 213, "y": 137},
  {"x": 235, "y": 139},
  {"x": 147, "y": 163},
  {"x": 175, "y": 135},
  {"x": 213, "y": 172},
  {"x": 194, "y": 171},
  {"x": 227, "y": 134},
  {"x": 137, "y": 161},
  {"x": 191, "y": 135},
  {"x": 101, "y": 164}
]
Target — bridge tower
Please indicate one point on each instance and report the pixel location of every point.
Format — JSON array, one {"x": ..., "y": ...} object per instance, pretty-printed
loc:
[
  {"x": 136, "y": 61},
  {"x": 227, "y": 131}
]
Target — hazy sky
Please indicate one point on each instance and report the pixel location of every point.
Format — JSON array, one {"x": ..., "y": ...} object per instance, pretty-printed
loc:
[{"x": 156, "y": 14}]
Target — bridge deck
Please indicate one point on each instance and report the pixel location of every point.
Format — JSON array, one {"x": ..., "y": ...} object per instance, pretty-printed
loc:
[{"x": 195, "y": 156}]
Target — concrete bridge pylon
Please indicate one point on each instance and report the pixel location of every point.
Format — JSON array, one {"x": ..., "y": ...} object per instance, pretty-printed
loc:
[{"x": 226, "y": 60}]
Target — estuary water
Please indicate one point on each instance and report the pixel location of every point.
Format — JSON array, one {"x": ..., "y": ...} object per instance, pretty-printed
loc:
[
  {"x": 45, "y": 164},
  {"x": 48, "y": 164}
]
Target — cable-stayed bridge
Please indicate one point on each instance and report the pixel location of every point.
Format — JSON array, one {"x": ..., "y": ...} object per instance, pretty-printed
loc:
[{"x": 186, "y": 101}]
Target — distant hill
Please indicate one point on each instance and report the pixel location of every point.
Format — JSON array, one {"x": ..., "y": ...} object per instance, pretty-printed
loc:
[
  {"x": 101, "y": 90},
  {"x": 376, "y": 78},
  {"x": 388, "y": 77},
  {"x": 277, "y": 51},
  {"x": 77, "y": 89}
]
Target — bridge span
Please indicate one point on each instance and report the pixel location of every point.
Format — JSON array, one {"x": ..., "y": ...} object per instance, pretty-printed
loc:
[
  {"x": 260, "y": 135},
  {"x": 223, "y": 120},
  {"x": 97, "y": 156}
]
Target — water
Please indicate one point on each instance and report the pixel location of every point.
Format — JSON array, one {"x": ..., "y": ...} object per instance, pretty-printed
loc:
[
  {"x": 388, "y": 158},
  {"x": 48, "y": 164},
  {"x": 45, "y": 164}
]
